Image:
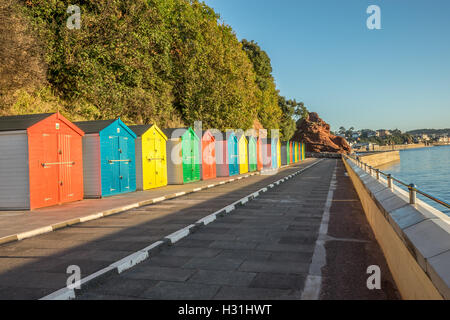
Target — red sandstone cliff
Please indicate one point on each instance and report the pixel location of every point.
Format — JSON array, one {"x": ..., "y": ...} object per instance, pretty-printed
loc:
[{"x": 316, "y": 134}]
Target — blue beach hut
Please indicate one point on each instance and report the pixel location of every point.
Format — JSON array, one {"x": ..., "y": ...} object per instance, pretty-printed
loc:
[
  {"x": 274, "y": 152},
  {"x": 109, "y": 161}
]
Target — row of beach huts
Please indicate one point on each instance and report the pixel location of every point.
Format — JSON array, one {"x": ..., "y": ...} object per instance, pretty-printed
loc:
[{"x": 46, "y": 160}]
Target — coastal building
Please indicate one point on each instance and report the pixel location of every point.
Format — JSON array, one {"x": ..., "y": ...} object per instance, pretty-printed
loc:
[
  {"x": 208, "y": 156},
  {"x": 259, "y": 153},
  {"x": 267, "y": 153},
  {"x": 41, "y": 162},
  {"x": 151, "y": 161},
  {"x": 109, "y": 165},
  {"x": 252, "y": 154},
  {"x": 227, "y": 153},
  {"x": 183, "y": 156},
  {"x": 285, "y": 153},
  {"x": 243, "y": 152},
  {"x": 383, "y": 133}
]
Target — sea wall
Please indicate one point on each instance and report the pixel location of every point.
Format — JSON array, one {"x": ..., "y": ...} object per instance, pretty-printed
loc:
[
  {"x": 380, "y": 158},
  {"x": 394, "y": 147},
  {"x": 415, "y": 239}
]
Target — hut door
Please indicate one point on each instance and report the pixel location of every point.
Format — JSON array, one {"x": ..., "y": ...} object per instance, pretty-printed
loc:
[
  {"x": 151, "y": 170},
  {"x": 187, "y": 156},
  {"x": 66, "y": 192},
  {"x": 274, "y": 154},
  {"x": 50, "y": 171},
  {"x": 195, "y": 159},
  {"x": 160, "y": 159},
  {"x": 114, "y": 164},
  {"x": 124, "y": 164}
]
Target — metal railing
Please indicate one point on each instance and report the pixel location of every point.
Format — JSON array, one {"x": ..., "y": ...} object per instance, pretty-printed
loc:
[{"x": 412, "y": 188}]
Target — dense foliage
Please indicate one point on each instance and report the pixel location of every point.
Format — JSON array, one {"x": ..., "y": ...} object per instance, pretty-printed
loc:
[{"x": 167, "y": 61}]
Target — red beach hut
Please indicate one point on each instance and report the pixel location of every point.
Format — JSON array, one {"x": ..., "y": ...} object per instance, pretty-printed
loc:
[
  {"x": 42, "y": 162},
  {"x": 208, "y": 156},
  {"x": 259, "y": 153}
]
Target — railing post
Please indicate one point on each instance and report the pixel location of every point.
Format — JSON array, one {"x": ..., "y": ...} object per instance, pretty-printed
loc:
[
  {"x": 370, "y": 171},
  {"x": 412, "y": 194},
  {"x": 390, "y": 184},
  {"x": 378, "y": 174}
]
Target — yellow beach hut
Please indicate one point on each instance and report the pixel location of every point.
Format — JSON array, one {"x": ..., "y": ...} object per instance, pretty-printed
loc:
[
  {"x": 151, "y": 162},
  {"x": 278, "y": 153},
  {"x": 243, "y": 152}
]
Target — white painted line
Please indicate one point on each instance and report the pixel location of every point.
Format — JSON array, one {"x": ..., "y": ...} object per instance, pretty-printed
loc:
[
  {"x": 161, "y": 199},
  {"x": 222, "y": 182},
  {"x": 91, "y": 217},
  {"x": 209, "y": 219},
  {"x": 179, "y": 194},
  {"x": 244, "y": 201},
  {"x": 197, "y": 189},
  {"x": 62, "y": 294},
  {"x": 33, "y": 233},
  {"x": 130, "y": 261},
  {"x": 129, "y": 207},
  {"x": 211, "y": 186},
  {"x": 229, "y": 208},
  {"x": 180, "y": 234},
  {"x": 313, "y": 282},
  {"x": 96, "y": 275},
  {"x": 153, "y": 246}
]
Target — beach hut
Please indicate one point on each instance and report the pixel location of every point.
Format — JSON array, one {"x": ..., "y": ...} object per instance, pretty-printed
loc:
[
  {"x": 183, "y": 156},
  {"x": 275, "y": 152},
  {"x": 227, "y": 154},
  {"x": 279, "y": 153},
  {"x": 41, "y": 162},
  {"x": 300, "y": 151},
  {"x": 259, "y": 154},
  {"x": 252, "y": 152},
  {"x": 291, "y": 152},
  {"x": 151, "y": 161},
  {"x": 284, "y": 153},
  {"x": 208, "y": 168},
  {"x": 243, "y": 152},
  {"x": 267, "y": 152},
  {"x": 109, "y": 166},
  {"x": 297, "y": 152},
  {"x": 303, "y": 151}
]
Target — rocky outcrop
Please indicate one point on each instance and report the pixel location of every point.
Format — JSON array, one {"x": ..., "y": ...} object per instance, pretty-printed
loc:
[{"x": 316, "y": 134}]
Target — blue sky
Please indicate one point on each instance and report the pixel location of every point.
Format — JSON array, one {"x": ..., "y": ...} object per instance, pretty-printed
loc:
[{"x": 324, "y": 55}]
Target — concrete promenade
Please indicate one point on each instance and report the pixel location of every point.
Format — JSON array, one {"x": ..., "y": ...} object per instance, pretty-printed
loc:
[
  {"x": 35, "y": 267},
  {"x": 271, "y": 248},
  {"x": 17, "y": 225}
]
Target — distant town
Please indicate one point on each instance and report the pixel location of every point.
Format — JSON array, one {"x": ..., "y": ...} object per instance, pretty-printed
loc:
[{"x": 370, "y": 139}]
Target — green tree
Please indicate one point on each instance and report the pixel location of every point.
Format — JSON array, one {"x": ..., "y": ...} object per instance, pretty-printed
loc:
[{"x": 269, "y": 111}]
